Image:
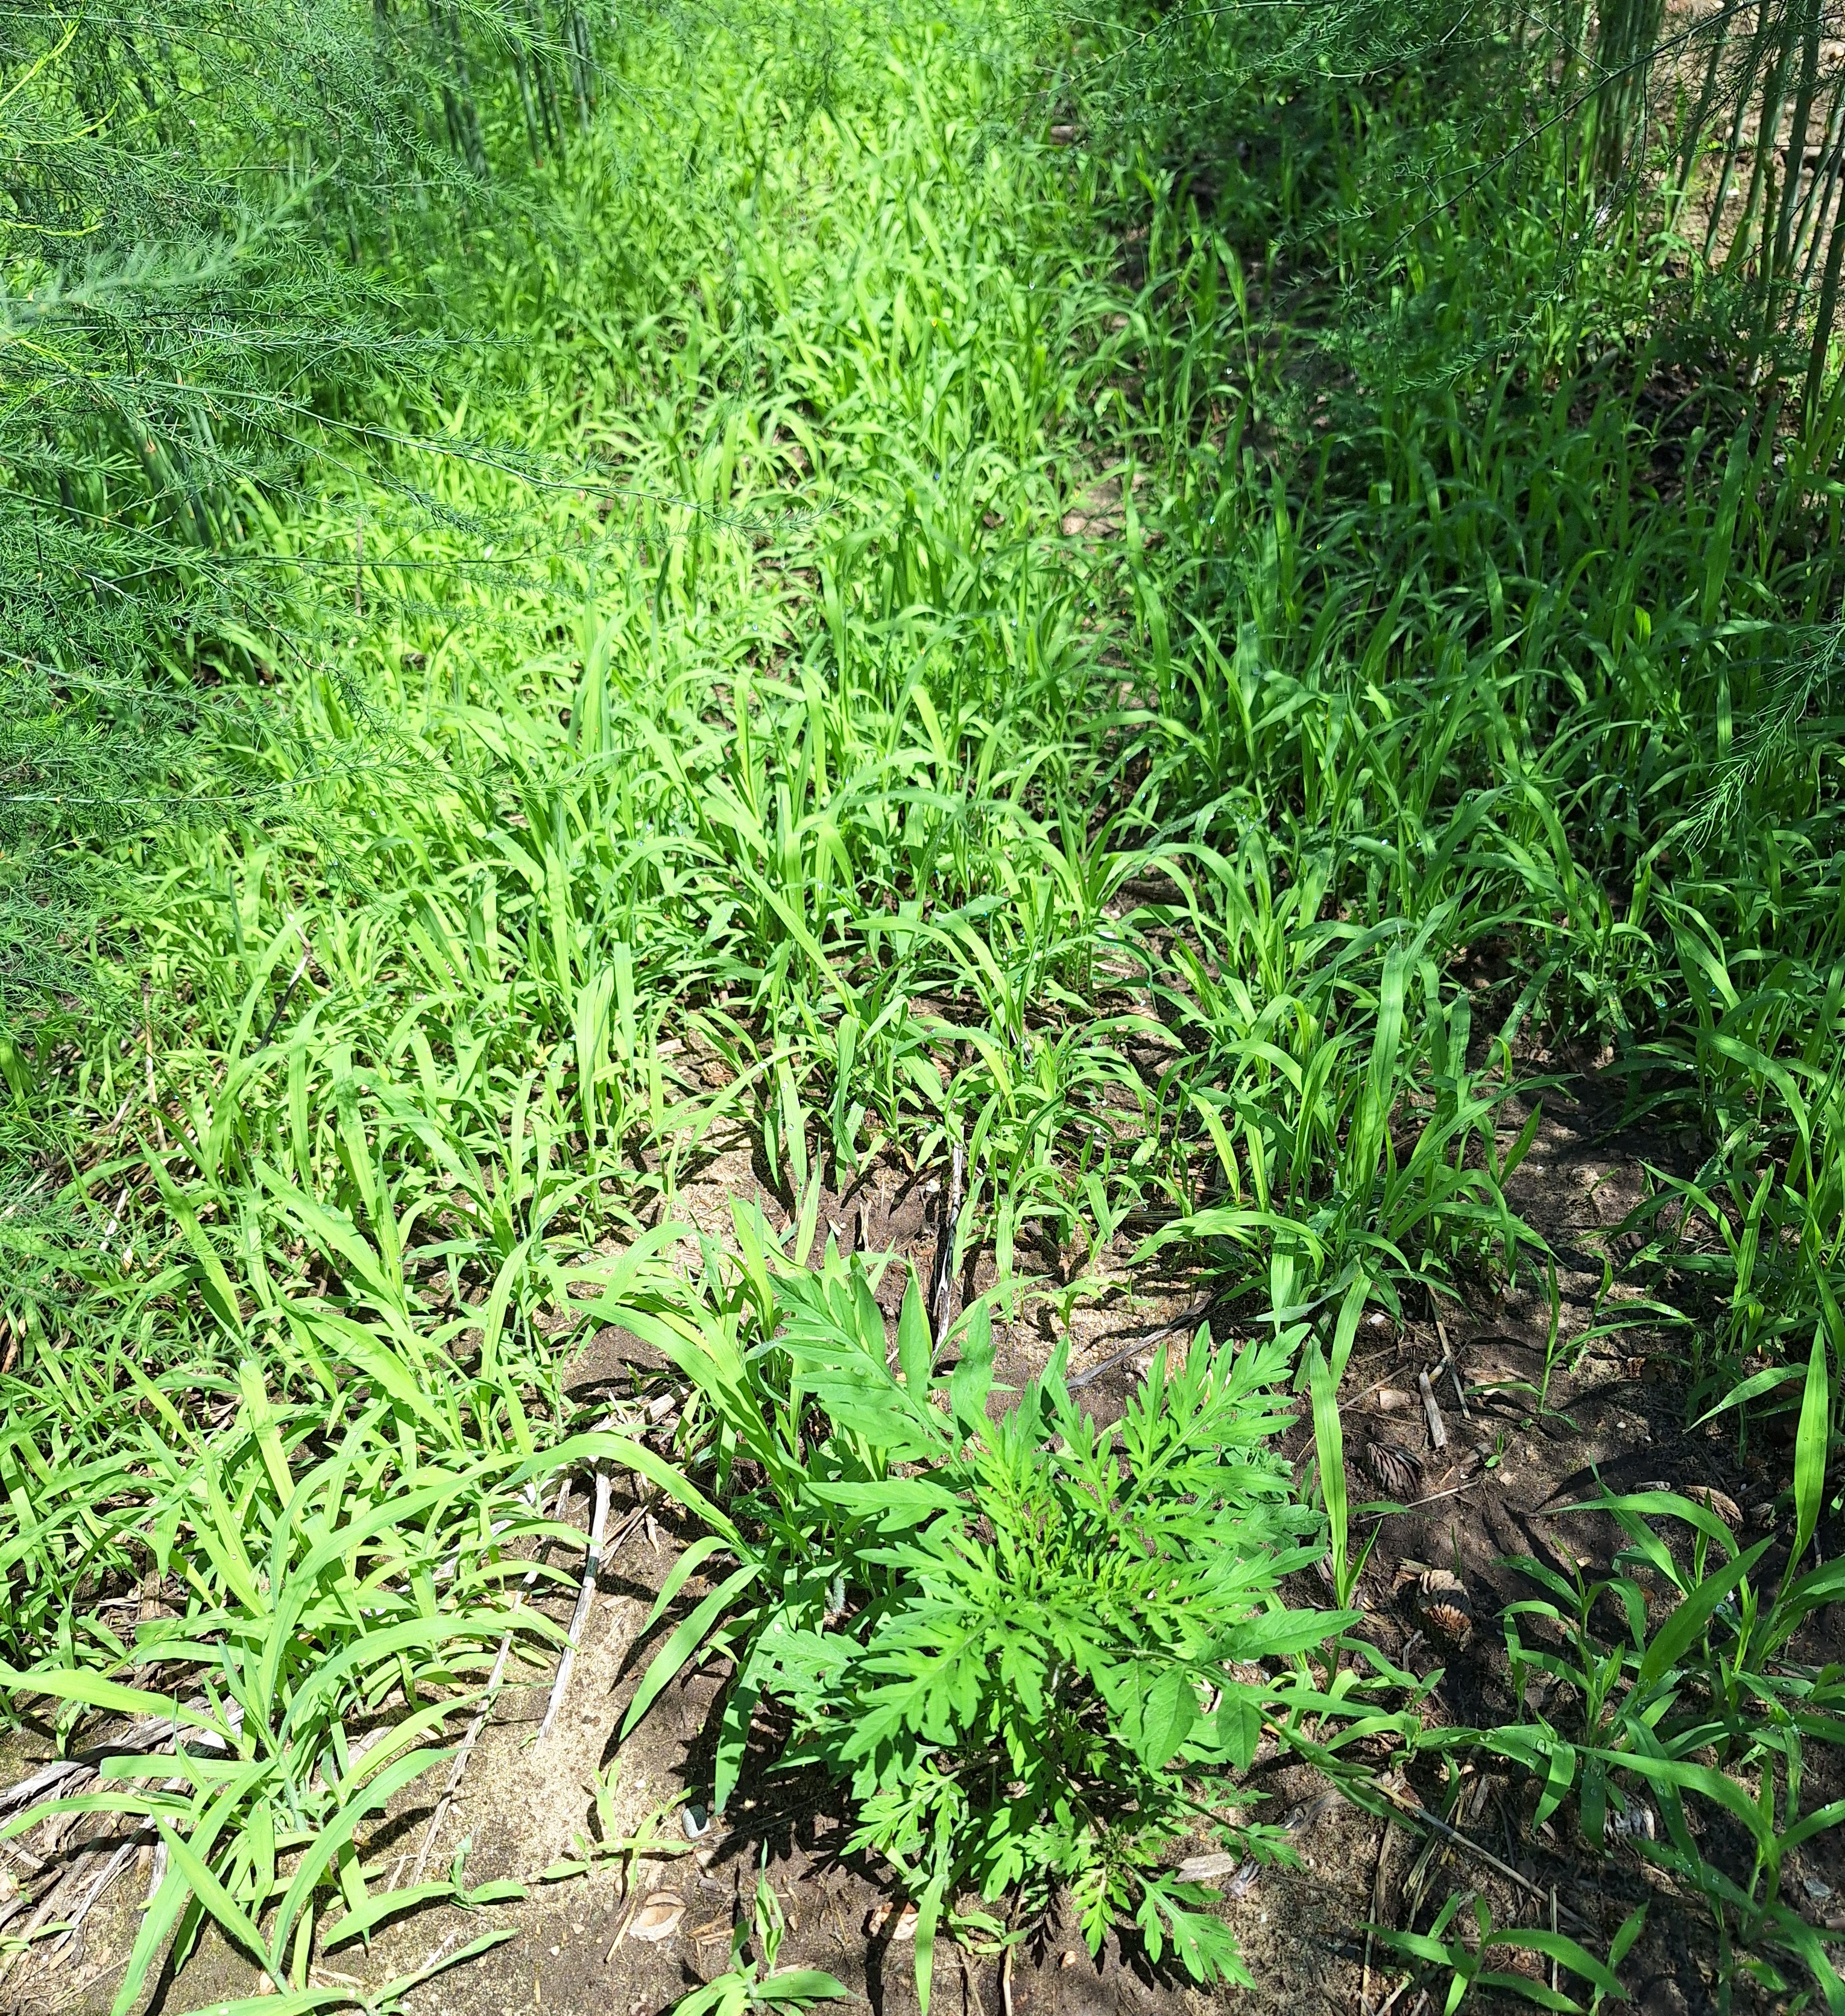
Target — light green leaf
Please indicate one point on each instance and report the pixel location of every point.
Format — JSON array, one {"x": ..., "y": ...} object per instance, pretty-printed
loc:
[
  {"x": 1809, "y": 1446},
  {"x": 691, "y": 1633}
]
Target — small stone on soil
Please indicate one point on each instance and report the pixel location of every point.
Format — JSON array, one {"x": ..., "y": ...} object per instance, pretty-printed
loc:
[{"x": 659, "y": 1917}]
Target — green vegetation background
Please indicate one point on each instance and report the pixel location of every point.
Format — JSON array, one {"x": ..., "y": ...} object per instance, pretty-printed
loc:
[{"x": 1162, "y": 605}]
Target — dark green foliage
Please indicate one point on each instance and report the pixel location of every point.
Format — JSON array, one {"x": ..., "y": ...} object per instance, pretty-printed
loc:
[
  {"x": 1559, "y": 516},
  {"x": 1552, "y": 590}
]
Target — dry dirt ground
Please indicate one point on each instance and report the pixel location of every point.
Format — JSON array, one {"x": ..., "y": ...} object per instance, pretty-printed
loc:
[{"x": 1495, "y": 1491}]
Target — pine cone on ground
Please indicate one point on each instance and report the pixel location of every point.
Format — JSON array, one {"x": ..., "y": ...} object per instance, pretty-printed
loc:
[
  {"x": 1394, "y": 1468},
  {"x": 1719, "y": 1502},
  {"x": 1445, "y": 1610}
]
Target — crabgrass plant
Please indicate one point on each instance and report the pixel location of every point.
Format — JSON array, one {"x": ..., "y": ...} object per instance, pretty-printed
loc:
[
  {"x": 1709, "y": 1713},
  {"x": 758, "y": 1983}
]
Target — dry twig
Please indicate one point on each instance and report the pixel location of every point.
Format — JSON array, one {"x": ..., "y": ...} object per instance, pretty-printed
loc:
[
  {"x": 1437, "y": 1431},
  {"x": 487, "y": 1699},
  {"x": 592, "y": 1562},
  {"x": 1184, "y": 1320},
  {"x": 1383, "y": 1842},
  {"x": 1422, "y": 1817},
  {"x": 942, "y": 1293}
]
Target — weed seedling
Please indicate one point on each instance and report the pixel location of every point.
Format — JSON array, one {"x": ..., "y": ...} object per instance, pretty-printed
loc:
[{"x": 754, "y": 1982}]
